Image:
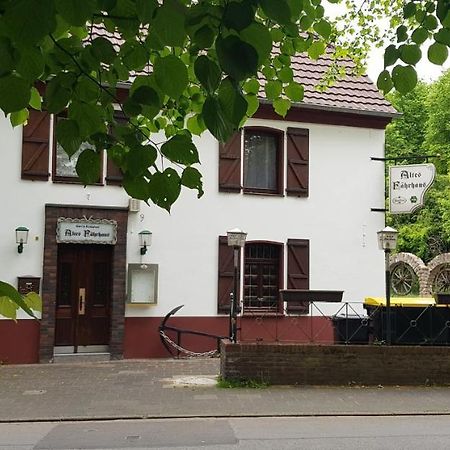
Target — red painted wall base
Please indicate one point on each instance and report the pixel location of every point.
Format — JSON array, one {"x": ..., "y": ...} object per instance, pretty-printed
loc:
[
  {"x": 19, "y": 342},
  {"x": 142, "y": 338}
]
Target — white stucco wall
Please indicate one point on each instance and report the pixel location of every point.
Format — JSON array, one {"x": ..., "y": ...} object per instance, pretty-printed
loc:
[{"x": 336, "y": 218}]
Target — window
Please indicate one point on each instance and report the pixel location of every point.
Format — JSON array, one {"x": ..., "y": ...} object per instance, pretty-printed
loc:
[
  {"x": 64, "y": 167},
  {"x": 261, "y": 151},
  {"x": 262, "y": 276},
  {"x": 36, "y": 154}
]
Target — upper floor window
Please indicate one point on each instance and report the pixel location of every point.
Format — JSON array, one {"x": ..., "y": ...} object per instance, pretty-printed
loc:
[
  {"x": 36, "y": 154},
  {"x": 263, "y": 151},
  {"x": 253, "y": 162}
]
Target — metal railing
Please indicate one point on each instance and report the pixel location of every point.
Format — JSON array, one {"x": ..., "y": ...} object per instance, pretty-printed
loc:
[{"x": 349, "y": 323}]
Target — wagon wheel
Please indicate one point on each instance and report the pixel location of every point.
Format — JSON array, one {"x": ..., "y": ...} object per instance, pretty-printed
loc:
[
  {"x": 402, "y": 279},
  {"x": 442, "y": 280}
]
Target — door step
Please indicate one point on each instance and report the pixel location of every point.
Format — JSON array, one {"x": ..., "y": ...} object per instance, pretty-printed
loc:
[{"x": 81, "y": 357}]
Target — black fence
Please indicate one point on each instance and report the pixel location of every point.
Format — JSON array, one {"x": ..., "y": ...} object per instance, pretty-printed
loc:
[{"x": 352, "y": 324}]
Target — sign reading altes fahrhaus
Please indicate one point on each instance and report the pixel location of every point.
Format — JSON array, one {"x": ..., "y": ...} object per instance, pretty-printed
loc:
[
  {"x": 408, "y": 185},
  {"x": 86, "y": 231}
]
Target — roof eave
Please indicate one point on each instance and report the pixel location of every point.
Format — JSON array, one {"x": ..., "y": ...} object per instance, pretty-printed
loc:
[{"x": 359, "y": 112}]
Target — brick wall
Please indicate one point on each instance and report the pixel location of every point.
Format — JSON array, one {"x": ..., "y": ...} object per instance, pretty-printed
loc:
[{"x": 335, "y": 364}]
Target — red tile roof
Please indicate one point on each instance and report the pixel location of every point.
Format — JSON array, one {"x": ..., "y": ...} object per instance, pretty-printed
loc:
[{"x": 349, "y": 94}]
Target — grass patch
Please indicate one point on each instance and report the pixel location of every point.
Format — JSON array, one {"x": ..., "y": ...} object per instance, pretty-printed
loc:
[{"x": 241, "y": 383}]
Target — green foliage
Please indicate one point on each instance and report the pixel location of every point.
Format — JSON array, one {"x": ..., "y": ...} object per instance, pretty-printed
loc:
[
  {"x": 191, "y": 65},
  {"x": 241, "y": 384},
  {"x": 11, "y": 300},
  {"x": 423, "y": 129}
]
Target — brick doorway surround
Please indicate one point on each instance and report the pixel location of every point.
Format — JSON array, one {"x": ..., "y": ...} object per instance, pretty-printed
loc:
[{"x": 52, "y": 213}]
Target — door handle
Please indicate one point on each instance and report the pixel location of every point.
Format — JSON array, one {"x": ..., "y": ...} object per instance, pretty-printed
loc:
[{"x": 81, "y": 301}]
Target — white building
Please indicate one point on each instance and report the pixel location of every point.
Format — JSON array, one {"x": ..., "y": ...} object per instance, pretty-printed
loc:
[{"x": 306, "y": 205}]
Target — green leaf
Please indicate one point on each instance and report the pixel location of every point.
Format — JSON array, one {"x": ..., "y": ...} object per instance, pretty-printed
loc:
[
  {"x": 181, "y": 149},
  {"x": 323, "y": 27},
  {"x": 236, "y": 57},
  {"x": 14, "y": 93},
  {"x": 277, "y": 10},
  {"x": 251, "y": 86},
  {"x": 259, "y": 37},
  {"x": 204, "y": 37},
  {"x": 146, "y": 9},
  {"x": 419, "y": 35},
  {"x": 238, "y": 15},
  {"x": 391, "y": 54},
  {"x": 437, "y": 53},
  {"x": 134, "y": 55},
  {"x": 68, "y": 135},
  {"x": 402, "y": 33},
  {"x": 410, "y": 54},
  {"x": 253, "y": 104},
  {"x": 6, "y": 56},
  {"x": 27, "y": 22},
  {"x": 139, "y": 159},
  {"x": 196, "y": 125},
  {"x": 169, "y": 24},
  {"x": 273, "y": 89},
  {"x": 316, "y": 49},
  {"x": 89, "y": 118},
  {"x": 295, "y": 92},
  {"x": 232, "y": 101},
  {"x": 208, "y": 73},
  {"x": 192, "y": 179},
  {"x": 57, "y": 93},
  {"x": 88, "y": 166},
  {"x": 76, "y": 12},
  {"x": 443, "y": 36},
  {"x": 164, "y": 188},
  {"x": 136, "y": 187},
  {"x": 430, "y": 22},
  {"x": 103, "y": 50},
  {"x": 404, "y": 78},
  {"x": 146, "y": 95},
  {"x": 33, "y": 301},
  {"x": 286, "y": 74},
  {"x": 8, "y": 291},
  {"x": 384, "y": 82},
  {"x": 18, "y": 117},
  {"x": 171, "y": 75},
  {"x": 409, "y": 10},
  {"x": 8, "y": 308},
  {"x": 281, "y": 106},
  {"x": 216, "y": 120},
  {"x": 35, "y": 99}
]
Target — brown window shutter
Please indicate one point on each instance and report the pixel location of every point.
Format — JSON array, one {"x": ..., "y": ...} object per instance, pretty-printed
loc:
[
  {"x": 113, "y": 173},
  {"x": 35, "y": 146},
  {"x": 226, "y": 276},
  {"x": 230, "y": 164},
  {"x": 297, "y": 271},
  {"x": 297, "y": 162}
]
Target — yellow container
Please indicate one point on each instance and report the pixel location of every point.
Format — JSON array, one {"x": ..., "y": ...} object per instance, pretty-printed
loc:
[{"x": 408, "y": 302}]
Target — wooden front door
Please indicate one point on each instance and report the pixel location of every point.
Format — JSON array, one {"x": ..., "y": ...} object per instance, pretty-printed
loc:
[{"x": 83, "y": 295}]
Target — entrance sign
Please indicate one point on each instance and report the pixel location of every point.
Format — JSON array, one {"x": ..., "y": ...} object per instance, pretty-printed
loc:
[
  {"x": 86, "y": 231},
  {"x": 408, "y": 185}
]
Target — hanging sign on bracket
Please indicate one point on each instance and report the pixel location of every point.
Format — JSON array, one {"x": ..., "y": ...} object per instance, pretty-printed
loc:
[{"x": 408, "y": 185}]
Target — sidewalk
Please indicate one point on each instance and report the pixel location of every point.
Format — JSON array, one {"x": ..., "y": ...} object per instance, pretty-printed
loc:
[{"x": 150, "y": 389}]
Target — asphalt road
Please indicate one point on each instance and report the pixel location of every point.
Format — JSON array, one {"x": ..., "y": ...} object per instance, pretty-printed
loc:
[{"x": 376, "y": 432}]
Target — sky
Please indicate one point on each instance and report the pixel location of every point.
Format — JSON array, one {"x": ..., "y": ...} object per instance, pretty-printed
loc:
[{"x": 426, "y": 71}]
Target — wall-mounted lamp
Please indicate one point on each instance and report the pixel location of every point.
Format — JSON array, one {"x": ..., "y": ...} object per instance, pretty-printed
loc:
[
  {"x": 145, "y": 240},
  {"x": 21, "y": 237}
]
